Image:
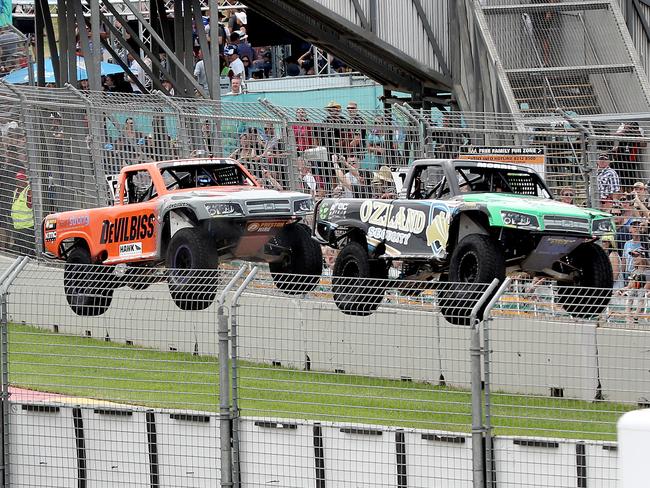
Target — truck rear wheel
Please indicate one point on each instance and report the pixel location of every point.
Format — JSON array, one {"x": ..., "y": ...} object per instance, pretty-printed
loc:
[
  {"x": 591, "y": 291},
  {"x": 193, "y": 276},
  {"x": 475, "y": 262},
  {"x": 301, "y": 265},
  {"x": 88, "y": 287},
  {"x": 358, "y": 283}
]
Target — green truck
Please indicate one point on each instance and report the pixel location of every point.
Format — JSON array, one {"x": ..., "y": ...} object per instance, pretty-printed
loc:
[{"x": 465, "y": 223}]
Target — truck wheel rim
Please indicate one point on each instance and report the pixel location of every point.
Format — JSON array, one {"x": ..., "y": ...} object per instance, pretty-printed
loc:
[{"x": 468, "y": 268}]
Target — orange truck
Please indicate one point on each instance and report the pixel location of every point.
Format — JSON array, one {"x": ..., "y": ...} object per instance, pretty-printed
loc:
[{"x": 186, "y": 216}]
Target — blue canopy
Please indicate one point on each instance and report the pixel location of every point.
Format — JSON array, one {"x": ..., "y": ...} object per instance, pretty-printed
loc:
[{"x": 21, "y": 76}]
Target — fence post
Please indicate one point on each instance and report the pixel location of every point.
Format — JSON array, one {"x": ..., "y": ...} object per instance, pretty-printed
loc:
[
  {"x": 5, "y": 282},
  {"x": 486, "y": 376},
  {"x": 235, "y": 375},
  {"x": 586, "y": 166},
  {"x": 475, "y": 367},
  {"x": 224, "y": 385}
]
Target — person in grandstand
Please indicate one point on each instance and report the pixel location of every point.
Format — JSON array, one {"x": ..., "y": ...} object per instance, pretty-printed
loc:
[
  {"x": 22, "y": 214},
  {"x": 383, "y": 186},
  {"x": 640, "y": 200},
  {"x": 609, "y": 245},
  {"x": 608, "y": 181},
  {"x": 235, "y": 65},
  {"x": 235, "y": 86},
  {"x": 567, "y": 195},
  {"x": 349, "y": 183},
  {"x": 632, "y": 245},
  {"x": 638, "y": 286}
]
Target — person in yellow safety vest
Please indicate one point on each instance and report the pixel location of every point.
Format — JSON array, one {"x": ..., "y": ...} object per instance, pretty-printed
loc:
[{"x": 22, "y": 214}]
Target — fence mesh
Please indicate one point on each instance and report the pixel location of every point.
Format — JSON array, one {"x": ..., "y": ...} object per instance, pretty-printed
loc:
[{"x": 317, "y": 391}]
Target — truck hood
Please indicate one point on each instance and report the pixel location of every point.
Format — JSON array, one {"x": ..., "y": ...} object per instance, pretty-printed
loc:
[
  {"x": 538, "y": 206},
  {"x": 234, "y": 193}
]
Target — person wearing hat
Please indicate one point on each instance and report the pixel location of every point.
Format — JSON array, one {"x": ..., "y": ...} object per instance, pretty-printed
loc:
[
  {"x": 382, "y": 184},
  {"x": 331, "y": 135},
  {"x": 234, "y": 63},
  {"x": 640, "y": 200},
  {"x": 608, "y": 181},
  {"x": 22, "y": 215}
]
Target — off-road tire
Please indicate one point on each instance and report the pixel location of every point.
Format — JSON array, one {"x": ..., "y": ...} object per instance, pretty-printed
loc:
[
  {"x": 358, "y": 283},
  {"x": 589, "y": 295},
  {"x": 192, "y": 263},
  {"x": 299, "y": 270},
  {"x": 88, "y": 287},
  {"x": 474, "y": 264}
]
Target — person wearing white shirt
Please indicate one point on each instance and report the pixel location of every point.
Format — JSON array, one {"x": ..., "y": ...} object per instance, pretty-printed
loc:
[{"x": 236, "y": 65}]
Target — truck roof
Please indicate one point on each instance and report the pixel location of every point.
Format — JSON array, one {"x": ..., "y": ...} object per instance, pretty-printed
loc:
[
  {"x": 474, "y": 163},
  {"x": 179, "y": 162}
]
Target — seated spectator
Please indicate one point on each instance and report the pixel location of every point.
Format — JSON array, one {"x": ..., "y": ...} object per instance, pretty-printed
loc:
[
  {"x": 567, "y": 195},
  {"x": 383, "y": 185},
  {"x": 608, "y": 181},
  {"x": 247, "y": 66},
  {"x": 310, "y": 183},
  {"x": 349, "y": 183}
]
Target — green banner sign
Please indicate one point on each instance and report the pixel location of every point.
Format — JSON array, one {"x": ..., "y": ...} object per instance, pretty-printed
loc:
[{"x": 5, "y": 13}]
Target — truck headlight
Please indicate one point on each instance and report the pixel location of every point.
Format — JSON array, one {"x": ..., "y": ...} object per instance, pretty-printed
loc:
[
  {"x": 302, "y": 206},
  {"x": 217, "y": 209},
  {"x": 602, "y": 226},
  {"x": 520, "y": 220}
]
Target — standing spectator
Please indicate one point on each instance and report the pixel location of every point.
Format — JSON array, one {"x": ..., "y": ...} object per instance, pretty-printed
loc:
[
  {"x": 234, "y": 63},
  {"x": 358, "y": 136},
  {"x": 168, "y": 87},
  {"x": 331, "y": 136},
  {"x": 545, "y": 24},
  {"x": 608, "y": 181},
  {"x": 376, "y": 146},
  {"x": 632, "y": 245},
  {"x": 274, "y": 154},
  {"x": 22, "y": 215},
  {"x": 303, "y": 131},
  {"x": 448, "y": 141},
  {"x": 640, "y": 200},
  {"x": 244, "y": 49},
  {"x": 129, "y": 144},
  {"x": 637, "y": 286},
  {"x": 199, "y": 71},
  {"x": 626, "y": 153}
]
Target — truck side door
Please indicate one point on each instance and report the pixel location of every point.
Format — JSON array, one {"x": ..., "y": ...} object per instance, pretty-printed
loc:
[
  {"x": 129, "y": 228},
  {"x": 417, "y": 223}
]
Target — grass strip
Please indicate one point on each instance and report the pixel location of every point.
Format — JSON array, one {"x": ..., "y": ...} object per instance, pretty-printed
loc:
[{"x": 106, "y": 371}]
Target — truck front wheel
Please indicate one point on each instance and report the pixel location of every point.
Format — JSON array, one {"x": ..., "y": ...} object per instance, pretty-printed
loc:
[
  {"x": 193, "y": 276},
  {"x": 88, "y": 287},
  {"x": 358, "y": 283},
  {"x": 591, "y": 290},
  {"x": 301, "y": 265},
  {"x": 475, "y": 262}
]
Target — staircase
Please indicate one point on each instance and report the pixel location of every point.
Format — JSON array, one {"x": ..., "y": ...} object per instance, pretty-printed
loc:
[
  {"x": 577, "y": 56},
  {"x": 541, "y": 93}
]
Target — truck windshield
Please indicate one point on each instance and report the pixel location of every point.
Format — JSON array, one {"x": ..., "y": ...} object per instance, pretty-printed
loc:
[
  {"x": 182, "y": 177},
  {"x": 473, "y": 179}
]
